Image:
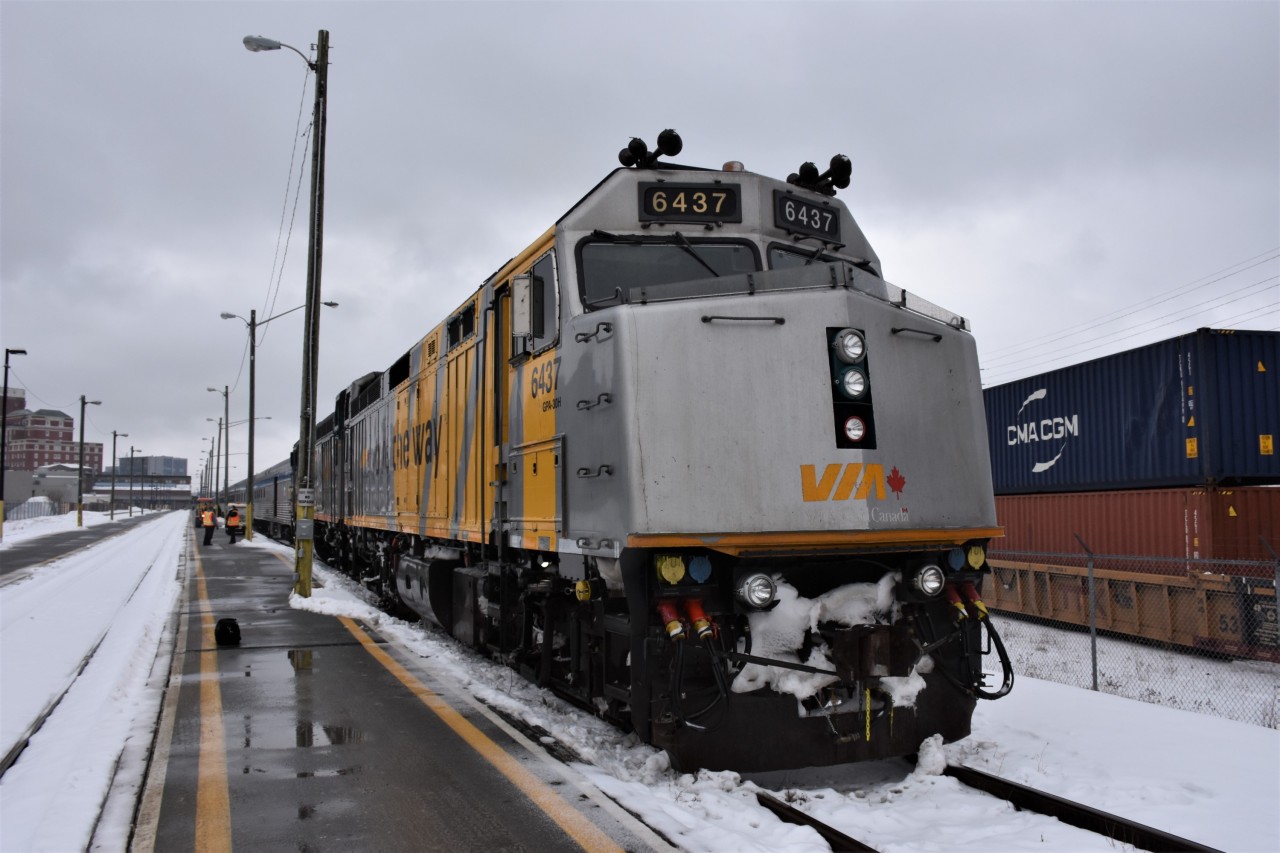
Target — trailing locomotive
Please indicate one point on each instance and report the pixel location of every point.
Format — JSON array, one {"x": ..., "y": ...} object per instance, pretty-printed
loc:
[{"x": 690, "y": 461}]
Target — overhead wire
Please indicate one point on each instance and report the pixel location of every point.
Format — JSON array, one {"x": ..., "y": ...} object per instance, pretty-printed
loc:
[
  {"x": 1221, "y": 275},
  {"x": 997, "y": 368},
  {"x": 1078, "y": 347},
  {"x": 282, "y": 253},
  {"x": 283, "y": 235}
]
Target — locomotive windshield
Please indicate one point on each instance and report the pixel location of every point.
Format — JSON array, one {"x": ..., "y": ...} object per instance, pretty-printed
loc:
[
  {"x": 787, "y": 258},
  {"x": 626, "y": 269}
]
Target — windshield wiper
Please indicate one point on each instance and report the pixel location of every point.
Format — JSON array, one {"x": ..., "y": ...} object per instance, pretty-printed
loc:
[
  {"x": 616, "y": 238},
  {"x": 688, "y": 247}
]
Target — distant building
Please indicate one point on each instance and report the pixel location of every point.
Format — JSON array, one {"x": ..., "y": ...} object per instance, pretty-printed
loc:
[
  {"x": 153, "y": 466},
  {"x": 150, "y": 491},
  {"x": 45, "y": 437},
  {"x": 57, "y": 482}
]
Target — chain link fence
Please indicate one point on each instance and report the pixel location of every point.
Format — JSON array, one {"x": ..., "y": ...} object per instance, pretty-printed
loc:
[
  {"x": 34, "y": 508},
  {"x": 1200, "y": 635}
]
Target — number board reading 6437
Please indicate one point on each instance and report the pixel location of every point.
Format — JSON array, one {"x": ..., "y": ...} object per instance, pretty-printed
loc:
[
  {"x": 796, "y": 214},
  {"x": 668, "y": 202}
]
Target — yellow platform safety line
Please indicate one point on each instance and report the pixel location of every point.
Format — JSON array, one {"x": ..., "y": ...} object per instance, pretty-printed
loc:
[
  {"x": 587, "y": 835},
  {"x": 213, "y": 802}
]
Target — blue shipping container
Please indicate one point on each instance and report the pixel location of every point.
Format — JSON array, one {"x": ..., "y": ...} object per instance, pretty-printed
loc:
[{"x": 1200, "y": 409}]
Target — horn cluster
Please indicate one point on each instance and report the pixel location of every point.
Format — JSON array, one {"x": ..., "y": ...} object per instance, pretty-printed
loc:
[
  {"x": 638, "y": 154},
  {"x": 836, "y": 177}
]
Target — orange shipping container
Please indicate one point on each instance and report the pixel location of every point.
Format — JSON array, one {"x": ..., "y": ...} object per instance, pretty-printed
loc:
[{"x": 1204, "y": 523}]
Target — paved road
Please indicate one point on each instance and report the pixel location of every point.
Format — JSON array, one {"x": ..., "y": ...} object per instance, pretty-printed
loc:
[{"x": 20, "y": 559}]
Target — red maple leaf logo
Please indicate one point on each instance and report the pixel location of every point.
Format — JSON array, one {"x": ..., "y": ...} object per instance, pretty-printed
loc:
[{"x": 896, "y": 482}]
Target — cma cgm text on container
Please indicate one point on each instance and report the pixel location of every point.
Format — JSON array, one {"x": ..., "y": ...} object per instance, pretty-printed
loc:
[{"x": 1199, "y": 409}]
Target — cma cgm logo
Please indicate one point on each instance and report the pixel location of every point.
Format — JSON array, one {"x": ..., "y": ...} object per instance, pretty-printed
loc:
[
  {"x": 852, "y": 481},
  {"x": 1056, "y": 430}
]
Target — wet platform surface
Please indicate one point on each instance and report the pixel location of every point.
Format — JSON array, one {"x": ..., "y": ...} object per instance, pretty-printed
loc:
[{"x": 314, "y": 734}]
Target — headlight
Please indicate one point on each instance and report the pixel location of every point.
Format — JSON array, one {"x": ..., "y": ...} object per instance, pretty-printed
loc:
[
  {"x": 757, "y": 591},
  {"x": 855, "y": 429},
  {"x": 853, "y": 383},
  {"x": 849, "y": 346},
  {"x": 929, "y": 580}
]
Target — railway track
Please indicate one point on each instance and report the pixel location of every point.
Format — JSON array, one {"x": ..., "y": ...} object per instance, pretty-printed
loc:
[
  {"x": 1022, "y": 798},
  {"x": 14, "y": 750},
  {"x": 1119, "y": 829}
]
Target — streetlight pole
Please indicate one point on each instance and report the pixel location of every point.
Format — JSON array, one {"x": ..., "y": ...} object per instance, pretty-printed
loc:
[
  {"x": 217, "y": 464},
  {"x": 115, "y": 463},
  {"x": 226, "y": 419},
  {"x": 253, "y": 325},
  {"x": 211, "y": 470},
  {"x": 131, "y": 450},
  {"x": 303, "y": 528},
  {"x": 253, "y": 365},
  {"x": 80, "y": 472},
  {"x": 4, "y": 430}
]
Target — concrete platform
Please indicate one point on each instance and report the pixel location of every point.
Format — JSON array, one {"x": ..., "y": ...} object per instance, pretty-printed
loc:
[{"x": 315, "y": 734}]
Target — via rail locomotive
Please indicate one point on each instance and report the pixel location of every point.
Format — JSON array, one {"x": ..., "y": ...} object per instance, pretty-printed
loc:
[{"x": 691, "y": 462}]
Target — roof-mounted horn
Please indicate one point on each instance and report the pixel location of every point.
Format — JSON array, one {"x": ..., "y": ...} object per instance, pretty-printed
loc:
[
  {"x": 836, "y": 177},
  {"x": 637, "y": 154}
]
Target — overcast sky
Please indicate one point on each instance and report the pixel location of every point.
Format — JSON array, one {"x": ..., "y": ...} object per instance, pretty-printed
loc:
[{"x": 1076, "y": 178}]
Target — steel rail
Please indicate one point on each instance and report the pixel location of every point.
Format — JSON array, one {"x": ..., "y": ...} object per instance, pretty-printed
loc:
[
  {"x": 1077, "y": 814},
  {"x": 15, "y": 751},
  {"x": 838, "y": 840}
]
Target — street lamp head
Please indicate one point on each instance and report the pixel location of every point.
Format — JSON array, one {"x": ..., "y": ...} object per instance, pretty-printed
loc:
[
  {"x": 8, "y": 352},
  {"x": 260, "y": 43},
  {"x": 93, "y": 402},
  {"x": 330, "y": 304},
  {"x": 227, "y": 315}
]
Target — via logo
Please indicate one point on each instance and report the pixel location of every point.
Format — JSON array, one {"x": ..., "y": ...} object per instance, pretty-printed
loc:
[{"x": 854, "y": 481}]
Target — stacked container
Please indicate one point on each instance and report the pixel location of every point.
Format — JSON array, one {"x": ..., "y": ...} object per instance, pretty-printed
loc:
[
  {"x": 1150, "y": 459},
  {"x": 1167, "y": 450}
]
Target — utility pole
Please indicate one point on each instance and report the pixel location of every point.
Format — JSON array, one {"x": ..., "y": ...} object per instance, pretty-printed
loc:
[
  {"x": 80, "y": 470},
  {"x": 115, "y": 463},
  {"x": 304, "y": 493},
  {"x": 4, "y": 430}
]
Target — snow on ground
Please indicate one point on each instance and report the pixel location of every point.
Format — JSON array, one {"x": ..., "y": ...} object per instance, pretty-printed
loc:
[
  {"x": 116, "y": 595},
  {"x": 1213, "y": 780},
  {"x": 30, "y": 528}
]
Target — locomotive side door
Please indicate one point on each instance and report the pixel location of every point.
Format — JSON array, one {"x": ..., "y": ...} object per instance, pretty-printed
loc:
[
  {"x": 536, "y": 461},
  {"x": 498, "y": 387}
]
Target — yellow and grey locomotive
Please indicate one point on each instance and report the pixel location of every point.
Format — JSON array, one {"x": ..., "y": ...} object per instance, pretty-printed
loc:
[{"x": 692, "y": 462}]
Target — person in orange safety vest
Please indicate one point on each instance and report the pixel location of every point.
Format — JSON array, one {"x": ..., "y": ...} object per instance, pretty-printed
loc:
[
  {"x": 209, "y": 521},
  {"x": 233, "y": 525}
]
